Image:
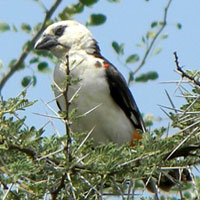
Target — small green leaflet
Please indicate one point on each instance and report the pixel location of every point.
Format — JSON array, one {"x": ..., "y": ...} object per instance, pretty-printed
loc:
[
  {"x": 132, "y": 58},
  {"x": 4, "y": 27},
  {"x": 96, "y": 19},
  {"x": 119, "y": 48},
  {"x": 147, "y": 76},
  {"x": 88, "y": 2},
  {"x": 26, "y": 27},
  {"x": 27, "y": 80},
  {"x": 43, "y": 67}
]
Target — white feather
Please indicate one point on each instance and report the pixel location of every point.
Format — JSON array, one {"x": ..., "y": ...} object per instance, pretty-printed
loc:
[{"x": 110, "y": 122}]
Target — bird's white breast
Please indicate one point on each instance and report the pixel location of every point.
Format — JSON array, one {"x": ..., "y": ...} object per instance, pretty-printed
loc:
[{"x": 109, "y": 120}]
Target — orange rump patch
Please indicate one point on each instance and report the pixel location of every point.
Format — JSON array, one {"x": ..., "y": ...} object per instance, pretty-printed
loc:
[{"x": 135, "y": 136}]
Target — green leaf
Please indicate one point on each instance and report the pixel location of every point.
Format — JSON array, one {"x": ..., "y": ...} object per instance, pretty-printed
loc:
[
  {"x": 143, "y": 39},
  {"x": 132, "y": 58},
  {"x": 152, "y": 75},
  {"x": 119, "y": 49},
  {"x": 96, "y": 19},
  {"x": 11, "y": 63},
  {"x": 147, "y": 76},
  {"x": 26, "y": 81},
  {"x": 26, "y": 27},
  {"x": 37, "y": 27},
  {"x": 154, "y": 24},
  {"x": 34, "y": 80},
  {"x": 148, "y": 123},
  {"x": 14, "y": 28},
  {"x": 1, "y": 64},
  {"x": 43, "y": 67},
  {"x": 116, "y": 47},
  {"x": 28, "y": 45},
  {"x": 34, "y": 60},
  {"x": 179, "y": 26},
  {"x": 157, "y": 51},
  {"x": 4, "y": 27},
  {"x": 70, "y": 11},
  {"x": 142, "y": 43},
  {"x": 45, "y": 54},
  {"x": 164, "y": 36},
  {"x": 88, "y": 2},
  {"x": 131, "y": 77},
  {"x": 150, "y": 34}
]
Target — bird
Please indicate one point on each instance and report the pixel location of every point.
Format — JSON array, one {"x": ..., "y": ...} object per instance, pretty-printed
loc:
[
  {"x": 116, "y": 118},
  {"x": 104, "y": 97}
]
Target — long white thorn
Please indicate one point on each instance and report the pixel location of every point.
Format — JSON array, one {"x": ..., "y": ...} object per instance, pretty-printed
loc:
[
  {"x": 89, "y": 111},
  {"x": 183, "y": 141},
  {"x": 74, "y": 95},
  {"x": 82, "y": 143}
]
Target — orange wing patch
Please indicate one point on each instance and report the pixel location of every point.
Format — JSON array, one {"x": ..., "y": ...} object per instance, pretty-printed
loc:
[{"x": 106, "y": 65}]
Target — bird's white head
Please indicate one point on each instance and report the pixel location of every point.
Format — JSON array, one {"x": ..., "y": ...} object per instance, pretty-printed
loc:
[{"x": 65, "y": 36}]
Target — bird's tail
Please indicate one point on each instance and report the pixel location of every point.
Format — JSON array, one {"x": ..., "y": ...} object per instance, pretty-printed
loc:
[
  {"x": 174, "y": 176},
  {"x": 167, "y": 181}
]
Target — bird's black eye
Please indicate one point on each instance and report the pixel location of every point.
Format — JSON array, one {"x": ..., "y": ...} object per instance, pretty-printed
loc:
[{"x": 59, "y": 30}]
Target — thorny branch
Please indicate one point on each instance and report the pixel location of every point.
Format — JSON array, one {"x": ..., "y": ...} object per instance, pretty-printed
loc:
[
  {"x": 67, "y": 123},
  {"x": 55, "y": 193},
  {"x": 29, "y": 47},
  {"x": 148, "y": 50},
  {"x": 183, "y": 73}
]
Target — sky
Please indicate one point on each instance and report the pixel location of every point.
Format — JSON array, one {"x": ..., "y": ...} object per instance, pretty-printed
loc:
[{"x": 126, "y": 23}]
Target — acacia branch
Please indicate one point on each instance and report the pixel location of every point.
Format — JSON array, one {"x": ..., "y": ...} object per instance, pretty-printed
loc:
[
  {"x": 54, "y": 193},
  {"x": 148, "y": 50},
  {"x": 67, "y": 122},
  {"x": 183, "y": 73},
  {"x": 29, "y": 47}
]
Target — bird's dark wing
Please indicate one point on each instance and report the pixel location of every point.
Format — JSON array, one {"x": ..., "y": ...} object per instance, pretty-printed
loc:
[{"x": 122, "y": 96}]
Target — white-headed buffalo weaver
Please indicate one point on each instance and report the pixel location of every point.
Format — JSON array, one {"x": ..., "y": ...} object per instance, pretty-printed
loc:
[{"x": 116, "y": 117}]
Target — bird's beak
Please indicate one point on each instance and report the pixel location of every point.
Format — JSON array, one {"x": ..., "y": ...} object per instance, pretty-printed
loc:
[{"x": 46, "y": 42}]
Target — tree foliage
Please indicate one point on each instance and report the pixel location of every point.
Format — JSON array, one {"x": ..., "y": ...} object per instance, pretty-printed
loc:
[
  {"x": 67, "y": 166},
  {"x": 34, "y": 166}
]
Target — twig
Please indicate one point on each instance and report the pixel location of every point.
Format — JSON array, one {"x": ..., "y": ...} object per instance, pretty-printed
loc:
[
  {"x": 62, "y": 184},
  {"x": 48, "y": 116},
  {"x": 194, "y": 183},
  {"x": 137, "y": 159},
  {"x": 67, "y": 123},
  {"x": 183, "y": 73},
  {"x": 82, "y": 178},
  {"x": 182, "y": 142},
  {"x": 164, "y": 23},
  {"x": 29, "y": 47},
  {"x": 118, "y": 189},
  {"x": 73, "y": 195},
  {"x": 50, "y": 154},
  {"x": 170, "y": 100},
  {"x": 28, "y": 152},
  {"x": 84, "y": 140},
  {"x": 173, "y": 81},
  {"x": 7, "y": 192}
]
